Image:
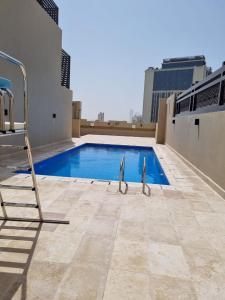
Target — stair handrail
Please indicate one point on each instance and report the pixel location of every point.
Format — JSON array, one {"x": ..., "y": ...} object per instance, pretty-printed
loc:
[
  {"x": 21, "y": 66},
  {"x": 122, "y": 177},
  {"x": 143, "y": 180}
]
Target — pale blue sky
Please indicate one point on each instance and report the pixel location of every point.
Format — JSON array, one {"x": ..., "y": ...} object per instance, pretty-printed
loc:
[{"x": 112, "y": 42}]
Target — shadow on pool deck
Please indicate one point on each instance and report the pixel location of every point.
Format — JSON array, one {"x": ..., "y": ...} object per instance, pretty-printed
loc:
[
  {"x": 13, "y": 274},
  {"x": 19, "y": 159}
]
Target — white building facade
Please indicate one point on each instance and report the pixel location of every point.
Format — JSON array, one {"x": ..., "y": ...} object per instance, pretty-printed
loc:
[{"x": 29, "y": 32}]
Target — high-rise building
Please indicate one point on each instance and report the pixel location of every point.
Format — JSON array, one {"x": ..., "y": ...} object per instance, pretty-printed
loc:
[
  {"x": 175, "y": 76},
  {"x": 101, "y": 117},
  {"x": 131, "y": 115}
]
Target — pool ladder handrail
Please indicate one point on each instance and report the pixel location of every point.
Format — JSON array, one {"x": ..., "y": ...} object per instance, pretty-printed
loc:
[
  {"x": 26, "y": 147},
  {"x": 10, "y": 95},
  {"x": 143, "y": 181},
  {"x": 21, "y": 66},
  {"x": 122, "y": 172}
]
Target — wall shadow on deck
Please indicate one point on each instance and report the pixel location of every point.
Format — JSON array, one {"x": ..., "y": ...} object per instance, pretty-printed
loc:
[
  {"x": 13, "y": 273},
  {"x": 19, "y": 159}
]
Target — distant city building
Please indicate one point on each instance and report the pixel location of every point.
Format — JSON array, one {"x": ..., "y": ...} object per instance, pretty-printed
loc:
[
  {"x": 136, "y": 119},
  {"x": 175, "y": 76},
  {"x": 131, "y": 115},
  {"x": 101, "y": 117}
]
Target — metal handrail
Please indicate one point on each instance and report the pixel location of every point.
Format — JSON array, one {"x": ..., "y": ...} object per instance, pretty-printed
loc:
[
  {"x": 143, "y": 180},
  {"x": 2, "y": 116},
  {"x": 18, "y": 63},
  {"x": 11, "y": 108},
  {"x": 26, "y": 147},
  {"x": 122, "y": 176},
  {"x": 10, "y": 95}
]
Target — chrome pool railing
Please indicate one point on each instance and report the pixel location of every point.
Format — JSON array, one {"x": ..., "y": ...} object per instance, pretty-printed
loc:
[
  {"x": 121, "y": 177},
  {"x": 143, "y": 181},
  {"x": 21, "y": 66}
]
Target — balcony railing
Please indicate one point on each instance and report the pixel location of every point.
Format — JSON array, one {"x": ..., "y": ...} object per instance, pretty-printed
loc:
[
  {"x": 65, "y": 69},
  {"x": 51, "y": 8},
  {"x": 205, "y": 96}
]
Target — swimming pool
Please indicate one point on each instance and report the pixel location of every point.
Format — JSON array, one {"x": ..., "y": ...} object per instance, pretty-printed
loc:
[{"x": 102, "y": 162}]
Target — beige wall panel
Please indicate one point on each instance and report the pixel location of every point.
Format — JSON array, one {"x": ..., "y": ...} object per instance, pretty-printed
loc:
[
  {"x": 30, "y": 35},
  {"x": 203, "y": 145},
  {"x": 160, "y": 133}
]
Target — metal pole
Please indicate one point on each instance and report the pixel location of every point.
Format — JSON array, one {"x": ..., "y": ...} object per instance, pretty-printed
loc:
[
  {"x": 2, "y": 112},
  {"x": 122, "y": 174},
  {"x": 25, "y": 90},
  {"x": 3, "y": 207},
  {"x": 33, "y": 175},
  {"x": 11, "y": 110},
  {"x": 143, "y": 180}
]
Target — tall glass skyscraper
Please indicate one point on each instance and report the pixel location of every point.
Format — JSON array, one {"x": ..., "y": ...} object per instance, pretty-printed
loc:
[{"x": 175, "y": 76}]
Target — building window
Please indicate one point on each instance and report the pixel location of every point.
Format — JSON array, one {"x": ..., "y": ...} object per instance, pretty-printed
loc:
[{"x": 173, "y": 80}]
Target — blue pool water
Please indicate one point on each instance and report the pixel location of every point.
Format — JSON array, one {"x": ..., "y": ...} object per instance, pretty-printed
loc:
[{"x": 98, "y": 161}]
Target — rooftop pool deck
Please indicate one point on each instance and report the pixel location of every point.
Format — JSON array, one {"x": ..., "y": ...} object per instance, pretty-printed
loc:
[{"x": 117, "y": 247}]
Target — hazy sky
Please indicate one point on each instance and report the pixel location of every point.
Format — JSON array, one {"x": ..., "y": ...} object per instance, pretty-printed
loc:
[{"x": 112, "y": 42}]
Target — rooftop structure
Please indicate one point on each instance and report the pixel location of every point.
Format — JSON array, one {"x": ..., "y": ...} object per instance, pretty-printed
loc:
[
  {"x": 205, "y": 96},
  {"x": 175, "y": 76},
  {"x": 188, "y": 61}
]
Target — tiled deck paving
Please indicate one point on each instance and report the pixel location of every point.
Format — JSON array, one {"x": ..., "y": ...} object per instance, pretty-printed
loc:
[{"x": 169, "y": 246}]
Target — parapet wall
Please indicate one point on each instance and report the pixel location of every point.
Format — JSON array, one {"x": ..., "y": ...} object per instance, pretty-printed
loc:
[
  {"x": 199, "y": 139},
  {"x": 118, "y": 128}
]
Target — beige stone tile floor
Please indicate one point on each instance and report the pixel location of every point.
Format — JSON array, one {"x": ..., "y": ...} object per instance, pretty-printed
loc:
[{"x": 117, "y": 247}]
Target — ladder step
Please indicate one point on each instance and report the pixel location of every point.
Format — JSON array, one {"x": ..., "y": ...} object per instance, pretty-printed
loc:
[
  {"x": 16, "y": 168},
  {"x": 14, "y": 146},
  {"x": 14, "y": 265},
  {"x": 11, "y": 227},
  {"x": 19, "y": 204},
  {"x": 33, "y": 220},
  {"x": 17, "y": 187},
  {"x": 10, "y": 133},
  {"x": 17, "y": 126},
  {"x": 15, "y": 250},
  {"x": 16, "y": 238}
]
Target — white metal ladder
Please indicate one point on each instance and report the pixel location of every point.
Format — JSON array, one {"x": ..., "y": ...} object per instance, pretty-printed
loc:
[
  {"x": 122, "y": 177},
  {"x": 143, "y": 181},
  {"x": 11, "y": 129}
]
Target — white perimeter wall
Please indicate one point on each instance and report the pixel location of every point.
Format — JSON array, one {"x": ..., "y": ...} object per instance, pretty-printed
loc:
[{"x": 204, "y": 145}]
